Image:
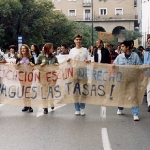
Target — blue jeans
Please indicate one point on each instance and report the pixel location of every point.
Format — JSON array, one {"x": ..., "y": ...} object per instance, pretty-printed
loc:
[
  {"x": 135, "y": 110},
  {"x": 79, "y": 105}
]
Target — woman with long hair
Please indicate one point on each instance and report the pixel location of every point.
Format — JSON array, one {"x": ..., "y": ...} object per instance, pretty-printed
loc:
[
  {"x": 25, "y": 58},
  {"x": 47, "y": 58},
  {"x": 35, "y": 51}
]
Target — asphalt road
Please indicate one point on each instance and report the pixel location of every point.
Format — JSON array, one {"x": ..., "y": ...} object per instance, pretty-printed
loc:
[{"x": 62, "y": 130}]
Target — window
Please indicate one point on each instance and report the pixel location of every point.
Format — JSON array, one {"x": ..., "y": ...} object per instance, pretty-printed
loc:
[
  {"x": 119, "y": 11},
  {"x": 87, "y": 14},
  {"x": 56, "y": 0},
  {"x": 71, "y": 12},
  {"x": 86, "y": 1},
  {"x": 135, "y": 3},
  {"x": 102, "y": 11}
]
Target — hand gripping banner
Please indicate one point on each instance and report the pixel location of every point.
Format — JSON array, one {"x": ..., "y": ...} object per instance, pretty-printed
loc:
[{"x": 97, "y": 84}]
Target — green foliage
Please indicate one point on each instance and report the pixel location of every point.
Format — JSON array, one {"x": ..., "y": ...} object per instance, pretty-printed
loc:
[
  {"x": 131, "y": 35},
  {"x": 86, "y": 32},
  {"x": 2, "y": 34},
  {"x": 114, "y": 41},
  {"x": 36, "y": 21}
]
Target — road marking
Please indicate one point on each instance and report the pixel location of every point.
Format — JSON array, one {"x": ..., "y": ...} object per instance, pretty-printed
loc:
[
  {"x": 1, "y": 105},
  {"x": 105, "y": 139},
  {"x": 103, "y": 111},
  {"x": 40, "y": 110}
]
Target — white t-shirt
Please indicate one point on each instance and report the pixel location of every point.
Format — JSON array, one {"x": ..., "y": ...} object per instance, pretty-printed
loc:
[
  {"x": 99, "y": 55},
  {"x": 79, "y": 54}
]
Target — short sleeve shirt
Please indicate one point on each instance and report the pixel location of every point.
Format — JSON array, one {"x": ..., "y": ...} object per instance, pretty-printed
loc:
[{"x": 79, "y": 54}]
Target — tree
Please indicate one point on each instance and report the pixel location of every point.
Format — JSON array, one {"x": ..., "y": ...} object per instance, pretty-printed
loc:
[
  {"x": 9, "y": 20},
  {"x": 131, "y": 35},
  {"x": 86, "y": 32},
  {"x": 28, "y": 18},
  {"x": 61, "y": 31},
  {"x": 38, "y": 23},
  {"x": 114, "y": 41}
]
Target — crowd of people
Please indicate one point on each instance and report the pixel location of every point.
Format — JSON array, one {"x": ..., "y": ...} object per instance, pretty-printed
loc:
[{"x": 124, "y": 54}]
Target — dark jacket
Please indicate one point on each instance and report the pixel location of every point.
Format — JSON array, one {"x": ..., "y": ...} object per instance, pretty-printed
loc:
[
  {"x": 37, "y": 54},
  {"x": 105, "y": 56},
  {"x": 30, "y": 60}
]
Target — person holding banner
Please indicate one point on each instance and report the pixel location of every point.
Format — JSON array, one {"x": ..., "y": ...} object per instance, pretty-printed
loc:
[
  {"x": 12, "y": 52},
  {"x": 35, "y": 51},
  {"x": 25, "y": 58},
  {"x": 147, "y": 61},
  {"x": 128, "y": 58},
  {"x": 47, "y": 59},
  {"x": 79, "y": 53}
]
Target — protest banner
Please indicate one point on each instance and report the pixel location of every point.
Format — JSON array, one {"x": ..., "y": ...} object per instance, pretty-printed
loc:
[
  {"x": 105, "y": 36},
  {"x": 136, "y": 43},
  {"x": 62, "y": 58},
  {"x": 76, "y": 81},
  {"x": 11, "y": 61}
]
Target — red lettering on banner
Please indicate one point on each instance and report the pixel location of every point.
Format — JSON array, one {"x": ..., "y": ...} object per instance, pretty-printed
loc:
[
  {"x": 20, "y": 72},
  {"x": 25, "y": 76},
  {"x": 64, "y": 74},
  {"x": 30, "y": 77},
  {"x": 55, "y": 75},
  {"x": 51, "y": 76},
  {"x": 67, "y": 72},
  {"x": 37, "y": 76},
  {"x": 7, "y": 74},
  {"x": 70, "y": 70},
  {"x": 48, "y": 77}
]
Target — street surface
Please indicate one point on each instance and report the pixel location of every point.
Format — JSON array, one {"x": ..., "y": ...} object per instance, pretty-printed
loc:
[{"x": 62, "y": 130}]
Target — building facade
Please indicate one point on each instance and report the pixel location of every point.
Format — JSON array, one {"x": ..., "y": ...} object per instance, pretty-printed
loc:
[
  {"x": 145, "y": 22},
  {"x": 108, "y": 15}
]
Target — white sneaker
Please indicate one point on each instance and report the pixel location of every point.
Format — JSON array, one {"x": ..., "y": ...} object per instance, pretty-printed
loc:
[
  {"x": 119, "y": 112},
  {"x": 77, "y": 113},
  {"x": 136, "y": 118},
  {"x": 82, "y": 113}
]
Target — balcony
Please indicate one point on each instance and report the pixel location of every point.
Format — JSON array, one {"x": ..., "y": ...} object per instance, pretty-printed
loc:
[
  {"x": 113, "y": 17},
  {"x": 87, "y": 3},
  {"x": 102, "y": 18}
]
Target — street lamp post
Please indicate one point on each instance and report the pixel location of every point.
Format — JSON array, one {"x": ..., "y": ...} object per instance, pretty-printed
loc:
[{"x": 92, "y": 20}]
